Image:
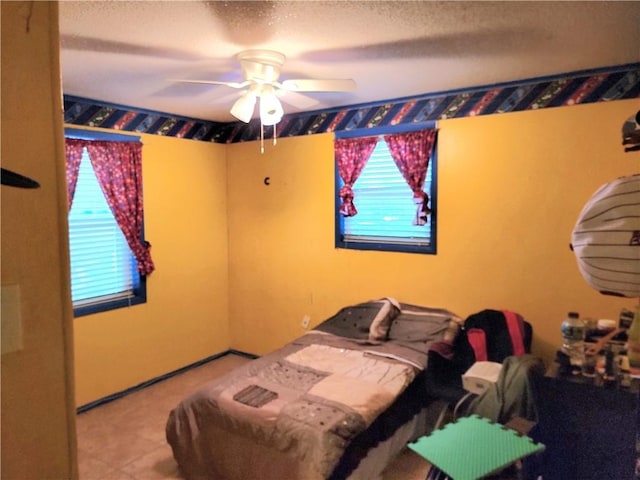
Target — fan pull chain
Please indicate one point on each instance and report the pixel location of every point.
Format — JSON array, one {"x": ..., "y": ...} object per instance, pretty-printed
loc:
[
  {"x": 274, "y": 134},
  {"x": 261, "y": 138}
]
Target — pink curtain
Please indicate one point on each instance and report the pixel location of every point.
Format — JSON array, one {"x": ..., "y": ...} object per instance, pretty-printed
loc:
[
  {"x": 352, "y": 154},
  {"x": 73, "y": 149},
  {"x": 411, "y": 152}
]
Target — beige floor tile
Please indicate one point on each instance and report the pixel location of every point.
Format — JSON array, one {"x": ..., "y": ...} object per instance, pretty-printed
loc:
[
  {"x": 158, "y": 464},
  {"x": 152, "y": 427},
  {"x": 119, "y": 449},
  {"x": 125, "y": 439},
  {"x": 90, "y": 468}
]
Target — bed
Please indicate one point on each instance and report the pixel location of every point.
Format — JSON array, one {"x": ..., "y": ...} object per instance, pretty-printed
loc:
[{"x": 339, "y": 402}]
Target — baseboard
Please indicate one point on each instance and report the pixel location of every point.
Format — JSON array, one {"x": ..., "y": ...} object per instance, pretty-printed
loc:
[
  {"x": 148, "y": 383},
  {"x": 242, "y": 354}
]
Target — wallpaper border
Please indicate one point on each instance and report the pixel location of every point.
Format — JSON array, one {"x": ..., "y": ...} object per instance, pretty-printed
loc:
[{"x": 601, "y": 85}]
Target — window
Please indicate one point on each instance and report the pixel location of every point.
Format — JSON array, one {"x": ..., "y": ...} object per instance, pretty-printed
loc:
[
  {"x": 386, "y": 208},
  {"x": 104, "y": 271}
]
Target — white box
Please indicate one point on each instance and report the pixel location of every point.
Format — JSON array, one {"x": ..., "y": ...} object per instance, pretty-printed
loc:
[{"x": 480, "y": 376}]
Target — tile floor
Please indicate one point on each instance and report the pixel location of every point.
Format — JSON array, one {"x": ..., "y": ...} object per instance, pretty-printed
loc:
[{"x": 124, "y": 439}]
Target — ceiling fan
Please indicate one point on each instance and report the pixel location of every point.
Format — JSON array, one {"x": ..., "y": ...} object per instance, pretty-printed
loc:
[{"x": 261, "y": 70}]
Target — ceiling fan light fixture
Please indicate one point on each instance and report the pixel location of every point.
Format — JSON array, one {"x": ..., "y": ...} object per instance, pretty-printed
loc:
[
  {"x": 271, "y": 110},
  {"x": 262, "y": 66},
  {"x": 243, "y": 108}
]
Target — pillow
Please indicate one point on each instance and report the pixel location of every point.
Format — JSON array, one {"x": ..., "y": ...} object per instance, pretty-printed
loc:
[
  {"x": 379, "y": 329},
  {"x": 423, "y": 324},
  {"x": 355, "y": 321}
]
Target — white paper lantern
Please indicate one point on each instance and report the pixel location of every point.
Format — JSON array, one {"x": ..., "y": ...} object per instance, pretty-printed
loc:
[{"x": 606, "y": 238}]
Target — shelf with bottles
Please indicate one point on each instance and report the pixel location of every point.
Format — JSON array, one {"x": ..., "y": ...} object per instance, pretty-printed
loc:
[
  {"x": 561, "y": 368},
  {"x": 615, "y": 332}
]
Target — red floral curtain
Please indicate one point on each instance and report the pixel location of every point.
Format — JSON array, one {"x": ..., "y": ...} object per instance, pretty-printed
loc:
[
  {"x": 352, "y": 154},
  {"x": 118, "y": 168},
  {"x": 73, "y": 149},
  {"x": 411, "y": 153}
]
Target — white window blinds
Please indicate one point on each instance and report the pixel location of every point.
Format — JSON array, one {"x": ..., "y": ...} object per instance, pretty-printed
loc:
[
  {"x": 385, "y": 204},
  {"x": 102, "y": 265}
]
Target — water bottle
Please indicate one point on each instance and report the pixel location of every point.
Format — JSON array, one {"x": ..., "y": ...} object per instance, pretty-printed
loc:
[{"x": 573, "y": 334}]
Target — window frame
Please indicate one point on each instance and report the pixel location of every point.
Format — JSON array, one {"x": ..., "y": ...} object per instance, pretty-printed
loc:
[
  {"x": 139, "y": 290},
  {"x": 430, "y": 249}
]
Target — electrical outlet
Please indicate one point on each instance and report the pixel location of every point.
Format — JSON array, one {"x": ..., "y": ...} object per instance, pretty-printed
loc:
[{"x": 305, "y": 321}]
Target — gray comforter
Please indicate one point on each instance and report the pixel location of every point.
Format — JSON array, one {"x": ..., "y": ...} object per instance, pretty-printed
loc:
[{"x": 302, "y": 404}]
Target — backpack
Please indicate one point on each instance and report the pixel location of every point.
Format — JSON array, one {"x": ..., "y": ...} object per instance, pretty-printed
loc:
[
  {"x": 489, "y": 335},
  {"x": 492, "y": 335}
]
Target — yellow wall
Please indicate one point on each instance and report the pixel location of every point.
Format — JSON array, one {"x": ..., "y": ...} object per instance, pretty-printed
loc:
[
  {"x": 185, "y": 318},
  {"x": 510, "y": 188},
  {"x": 239, "y": 263},
  {"x": 38, "y": 421}
]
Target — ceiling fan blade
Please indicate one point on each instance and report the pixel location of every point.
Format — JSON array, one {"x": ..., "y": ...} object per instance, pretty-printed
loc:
[
  {"x": 99, "y": 45},
  {"x": 466, "y": 44},
  {"x": 295, "y": 99},
  {"x": 212, "y": 82},
  {"x": 318, "y": 85}
]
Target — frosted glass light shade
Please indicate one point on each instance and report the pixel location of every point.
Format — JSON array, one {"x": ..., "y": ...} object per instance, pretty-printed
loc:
[
  {"x": 271, "y": 111},
  {"x": 243, "y": 107}
]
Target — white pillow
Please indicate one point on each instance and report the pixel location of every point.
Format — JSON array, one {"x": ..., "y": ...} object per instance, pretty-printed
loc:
[{"x": 379, "y": 328}]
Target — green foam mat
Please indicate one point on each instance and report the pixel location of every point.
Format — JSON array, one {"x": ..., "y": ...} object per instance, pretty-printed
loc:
[{"x": 473, "y": 447}]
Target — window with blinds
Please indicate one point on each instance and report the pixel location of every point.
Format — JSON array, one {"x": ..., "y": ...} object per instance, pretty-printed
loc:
[
  {"x": 104, "y": 273},
  {"x": 386, "y": 209}
]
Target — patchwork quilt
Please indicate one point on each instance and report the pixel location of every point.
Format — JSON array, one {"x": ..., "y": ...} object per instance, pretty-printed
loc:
[{"x": 309, "y": 399}]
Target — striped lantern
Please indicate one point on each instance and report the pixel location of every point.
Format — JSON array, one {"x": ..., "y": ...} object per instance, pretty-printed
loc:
[{"x": 606, "y": 238}]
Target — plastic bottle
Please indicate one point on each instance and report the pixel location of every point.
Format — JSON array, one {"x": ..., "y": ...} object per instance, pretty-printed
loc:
[
  {"x": 633, "y": 340},
  {"x": 609, "y": 376},
  {"x": 624, "y": 370},
  {"x": 573, "y": 333}
]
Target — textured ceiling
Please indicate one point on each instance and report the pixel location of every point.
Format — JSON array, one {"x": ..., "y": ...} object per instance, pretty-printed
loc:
[{"x": 127, "y": 52}]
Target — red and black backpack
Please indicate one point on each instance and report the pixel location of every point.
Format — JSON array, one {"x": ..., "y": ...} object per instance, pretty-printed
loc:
[{"x": 489, "y": 335}]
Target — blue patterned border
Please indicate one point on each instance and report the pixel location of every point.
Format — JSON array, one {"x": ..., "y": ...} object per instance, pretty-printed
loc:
[{"x": 576, "y": 88}]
